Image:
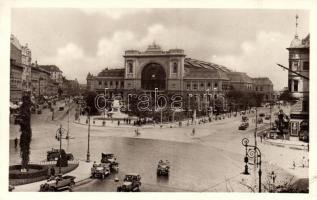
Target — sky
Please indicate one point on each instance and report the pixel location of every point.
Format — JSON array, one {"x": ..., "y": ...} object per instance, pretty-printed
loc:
[{"x": 80, "y": 40}]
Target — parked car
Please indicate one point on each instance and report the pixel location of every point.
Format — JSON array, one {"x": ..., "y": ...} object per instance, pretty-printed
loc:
[
  {"x": 11, "y": 188},
  {"x": 111, "y": 159},
  {"x": 100, "y": 170},
  {"x": 245, "y": 118},
  {"x": 58, "y": 183},
  {"x": 163, "y": 168},
  {"x": 131, "y": 183},
  {"x": 267, "y": 117},
  {"x": 53, "y": 154},
  {"x": 273, "y": 133},
  {"x": 260, "y": 120},
  {"x": 261, "y": 115},
  {"x": 243, "y": 126}
]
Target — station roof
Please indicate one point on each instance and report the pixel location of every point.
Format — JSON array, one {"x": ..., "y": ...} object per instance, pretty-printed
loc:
[
  {"x": 112, "y": 72},
  {"x": 239, "y": 77},
  {"x": 262, "y": 81}
]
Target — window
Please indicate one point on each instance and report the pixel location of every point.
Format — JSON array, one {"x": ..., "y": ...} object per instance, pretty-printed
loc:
[
  {"x": 122, "y": 84},
  {"x": 175, "y": 68},
  {"x": 305, "y": 106},
  {"x": 117, "y": 83},
  {"x": 261, "y": 88},
  {"x": 202, "y": 85},
  {"x": 110, "y": 83},
  {"x": 100, "y": 82},
  {"x": 130, "y": 66},
  {"x": 106, "y": 83},
  {"x": 295, "y": 85},
  {"x": 256, "y": 88},
  {"x": 295, "y": 66},
  {"x": 195, "y": 86},
  {"x": 306, "y": 65},
  {"x": 216, "y": 85},
  {"x": 188, "y": 86},
  {"x": 208, "y": 84}
]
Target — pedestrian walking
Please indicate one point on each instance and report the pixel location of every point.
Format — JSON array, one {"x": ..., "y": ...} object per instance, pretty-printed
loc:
[
  {"x": 16, "y": 142},
  {"x": 294, "y": 165},
  {"x": 261, "y": 137},
  {"x": 193, "y": 132},
  {"x": 52, "y": 171},
  {"x": 303, "y": 161}
]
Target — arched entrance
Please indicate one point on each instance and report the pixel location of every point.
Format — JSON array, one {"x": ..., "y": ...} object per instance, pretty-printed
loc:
[{"x": 153, "y": 76}]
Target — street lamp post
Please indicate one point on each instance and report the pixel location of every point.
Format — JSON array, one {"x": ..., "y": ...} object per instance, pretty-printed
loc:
[
  {"x": 270, "y": 114},
  {"x": 252, "y": 152},
  {"x": 59, "y": 134},
  {"x": 88, "y": 145},
  {"x": 105, "y": 103}
]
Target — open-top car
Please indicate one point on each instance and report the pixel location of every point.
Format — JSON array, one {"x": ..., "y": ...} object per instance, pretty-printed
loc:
[
  {"x": 163, "y": 168},
  {"x": 111, "y": 159},
  {"x": 58, "y": 183},
  {"x": 100, "y": 170},
  {"x": 131, "y": 183},
  {"x": 53, "y": 154}
]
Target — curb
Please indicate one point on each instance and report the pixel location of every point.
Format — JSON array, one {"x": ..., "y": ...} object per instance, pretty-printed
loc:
[{"x": 290, "y": 146}]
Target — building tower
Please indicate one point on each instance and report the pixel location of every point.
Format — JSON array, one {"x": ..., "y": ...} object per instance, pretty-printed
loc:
[{"x": 298, "y": 84}]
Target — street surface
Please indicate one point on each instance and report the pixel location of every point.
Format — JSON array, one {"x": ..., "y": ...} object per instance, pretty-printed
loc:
[{"x": 213, "y": 156}]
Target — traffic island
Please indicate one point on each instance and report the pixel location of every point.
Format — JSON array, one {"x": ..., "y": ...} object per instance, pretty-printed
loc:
[{"x": 36, "y": 172}]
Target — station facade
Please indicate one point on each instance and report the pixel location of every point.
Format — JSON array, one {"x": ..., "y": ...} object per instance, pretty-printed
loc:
[{"x": 168, "y": 72}]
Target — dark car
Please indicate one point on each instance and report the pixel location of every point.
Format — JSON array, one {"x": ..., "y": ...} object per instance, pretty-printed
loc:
[
  {"x": 261, "y": 115},
  {"x": 163, "y": 168},
  {"x": 111, "y": 159},
  {"x": 54, "y": 155},
  {"x": 100, "y": 170},
  {"x": 260, "y": 120},
  {"x": 131, "y": 183},
  {"x": 243, "y": 126}
]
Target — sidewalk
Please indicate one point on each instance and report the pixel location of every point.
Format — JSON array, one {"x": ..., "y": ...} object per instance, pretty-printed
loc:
[
  {"x": 297, "y": 145},
  {"x": 175, "y": 124},
  {"x": 82, "y": 173}
]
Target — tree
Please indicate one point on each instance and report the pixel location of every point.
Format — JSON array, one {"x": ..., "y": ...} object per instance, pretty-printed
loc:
[
  {"x": 60, "y": 91},
  {"x": 26, "y": 132},
  {"x": 286, "y": 96},
  {"x": 90, "y": 101}
]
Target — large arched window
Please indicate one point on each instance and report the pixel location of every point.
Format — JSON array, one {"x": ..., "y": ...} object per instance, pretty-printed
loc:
[{"x": 153, "y": 76}]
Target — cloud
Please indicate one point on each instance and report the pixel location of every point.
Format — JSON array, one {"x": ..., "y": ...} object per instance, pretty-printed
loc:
[
  {"x": 259, "y": 57},
  {"x": 113, "y": 13}
]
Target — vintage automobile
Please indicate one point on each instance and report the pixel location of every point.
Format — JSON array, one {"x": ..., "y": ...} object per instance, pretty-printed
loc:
[
  {"x": 260, "y": 120},
  {"x": 58, "y": 183},
  {"x": 131, "y": 183},
  {"x": 53, "y": 154},
  {"x": 245, "y": 118},
  {"x": 243, "y": 126},
  {"x": 11, "y": 188},
  {"x": 267, "y": 117},
  {"x": 100, "y": 170},
  {"x": 111, "y": 159},
  {"x": 163, "y": 168},
  {"x": 261, "y": 115}
]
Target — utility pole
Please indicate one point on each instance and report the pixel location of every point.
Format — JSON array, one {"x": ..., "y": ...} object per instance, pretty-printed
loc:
[
  {"x": 60, "y": 149},
  {"x": 88, "y": 151}
]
